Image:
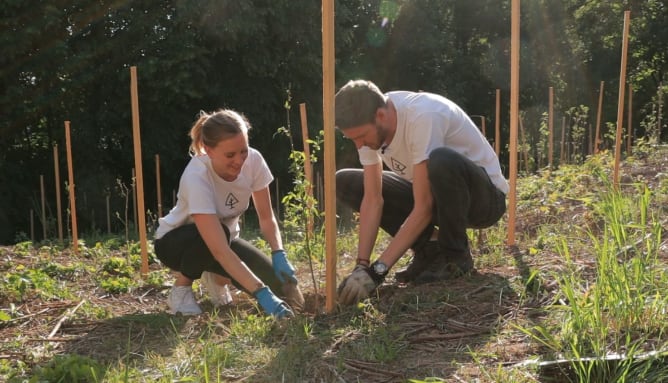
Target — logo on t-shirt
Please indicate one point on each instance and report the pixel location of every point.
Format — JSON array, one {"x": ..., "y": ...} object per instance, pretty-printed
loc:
[
  {"x": 398, "y": 167},
  {"x": 231, "y": 201}
]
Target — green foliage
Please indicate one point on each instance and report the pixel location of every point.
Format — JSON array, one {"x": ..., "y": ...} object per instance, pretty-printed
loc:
[
  {"x": 16, "y": 286},
  {"x": 70, "y": 368}
]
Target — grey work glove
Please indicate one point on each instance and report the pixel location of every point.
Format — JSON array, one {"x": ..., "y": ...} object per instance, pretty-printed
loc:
[{"x": 357, "y": 286}]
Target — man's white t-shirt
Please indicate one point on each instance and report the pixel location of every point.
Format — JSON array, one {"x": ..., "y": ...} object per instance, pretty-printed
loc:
[
  {"x": 202, "y": 191},
  {"x": 426, "y": 121}
]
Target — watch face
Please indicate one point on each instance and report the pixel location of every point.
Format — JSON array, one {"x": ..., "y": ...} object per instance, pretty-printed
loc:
[{"x": 380, "y": 268}]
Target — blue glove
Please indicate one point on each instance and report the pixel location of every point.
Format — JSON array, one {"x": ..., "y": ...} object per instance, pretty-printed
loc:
[
  {"x": 282, "y": 267},
  {"x": 271, "y": 304}
]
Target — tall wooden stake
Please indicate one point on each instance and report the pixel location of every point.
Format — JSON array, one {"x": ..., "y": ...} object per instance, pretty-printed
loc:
[
  {"x": 138, "y": 166},
  {"x": 620, "y": 103},
  {"x": 514, "y": 115},
  {"x": 56, "y": 171},
  {"x": 597, "y": 136},
  {"x": 328, "y": 92},
  {"x": 70, "y": 188}
]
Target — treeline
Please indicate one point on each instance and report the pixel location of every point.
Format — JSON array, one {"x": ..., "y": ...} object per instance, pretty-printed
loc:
[{"x": 69, "y": 60}]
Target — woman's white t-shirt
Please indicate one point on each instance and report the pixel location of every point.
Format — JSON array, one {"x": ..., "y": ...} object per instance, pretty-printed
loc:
[
  {"x": 426, "y": 121},
  {"x": 202, "y": 191}
]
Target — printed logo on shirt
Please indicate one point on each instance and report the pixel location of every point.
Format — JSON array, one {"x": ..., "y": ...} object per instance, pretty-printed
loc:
[
  {"x": 231, "y": 201},
  {"x": 398, "y": 167}
]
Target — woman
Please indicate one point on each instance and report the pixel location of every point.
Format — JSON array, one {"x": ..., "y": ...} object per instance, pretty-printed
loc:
[{"x": 201, "y": 233}]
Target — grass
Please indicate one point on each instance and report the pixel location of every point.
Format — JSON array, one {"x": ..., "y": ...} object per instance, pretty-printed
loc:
[{"x": 580, "y": 298}]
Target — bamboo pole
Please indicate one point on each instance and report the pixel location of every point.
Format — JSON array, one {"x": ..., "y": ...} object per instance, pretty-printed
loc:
[
  {"x": 629, "y": 136},
  {"x": 620, "y": 103},
  {"x": 308, "y": 170},
  {"x": 597, "y": 136},
  {"x": 514, "y": 115},
  {"x": 497, "y": 123},
  {"x": 550, "y": 128},
  {"x": 70, "y": 187},
  {"x": 157, "y": 182},
  {"x": 56, "y": 171},
  {"x": 138, "y": 165},
  {"x": 328, "y": 92},
  {"x": 43, "y": 199}
]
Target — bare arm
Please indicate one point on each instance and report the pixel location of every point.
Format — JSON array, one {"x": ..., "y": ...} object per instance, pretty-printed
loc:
[
  {"x": 212, "y": 232},
  {"x": 416, "y": 221},
  {"x": 371, "y": 210},
  {"x": 268, "y": 223}
]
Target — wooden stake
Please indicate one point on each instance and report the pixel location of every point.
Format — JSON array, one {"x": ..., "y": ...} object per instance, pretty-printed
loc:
[
  {"x": 70, "y": 186},
  {"x": 514, "y": 115},
  {"x": 550, "y": 128},
  {"x": 597, "y": 136},
  {"x": 629, "y": 136},
  {"x": 43, "y": 198},
  {"x": 56, "y": 171},
  {"x": 328, "y": 92},
  {"x": 157, "y": 184},
  {"x": 620, "y": 103},
  {"x": 497, "y": 136},
  {"x": 138, "y": 165}
]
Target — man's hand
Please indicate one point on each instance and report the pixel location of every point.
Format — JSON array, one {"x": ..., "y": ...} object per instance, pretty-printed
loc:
[
  {"x": 357, "y": 286},
  {"x": 282, "y": 267}
]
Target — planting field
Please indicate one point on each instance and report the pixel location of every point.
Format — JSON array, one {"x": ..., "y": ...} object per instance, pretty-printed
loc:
[{"x": 586, "y": 279}]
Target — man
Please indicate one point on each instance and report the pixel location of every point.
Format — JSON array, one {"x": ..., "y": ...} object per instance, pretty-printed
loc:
[{"x": 444, "y": 178}]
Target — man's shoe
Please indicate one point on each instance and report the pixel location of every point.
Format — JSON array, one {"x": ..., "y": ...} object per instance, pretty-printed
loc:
[
  {"x": 182, "y": 300},
  {"x": 422, "y": 259},
  {"x": 218, "y": 294},
  {"x": 447, "y": 267}
]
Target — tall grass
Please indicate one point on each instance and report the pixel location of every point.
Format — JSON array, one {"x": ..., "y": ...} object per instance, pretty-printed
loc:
[{"x": 606, "y": 325}]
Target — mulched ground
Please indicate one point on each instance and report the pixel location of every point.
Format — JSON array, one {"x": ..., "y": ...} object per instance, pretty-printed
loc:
[{"x": 438, "y": 336}]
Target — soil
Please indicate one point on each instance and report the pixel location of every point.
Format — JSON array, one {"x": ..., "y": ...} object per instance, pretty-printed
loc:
[{"x": 439, "y": 337}]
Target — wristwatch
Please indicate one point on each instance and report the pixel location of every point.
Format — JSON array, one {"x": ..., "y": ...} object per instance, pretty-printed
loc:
[{"x": 379, "y": 268}]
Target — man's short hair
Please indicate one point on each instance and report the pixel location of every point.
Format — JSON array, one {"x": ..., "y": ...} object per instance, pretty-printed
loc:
[{"x": 357, "y": 103}]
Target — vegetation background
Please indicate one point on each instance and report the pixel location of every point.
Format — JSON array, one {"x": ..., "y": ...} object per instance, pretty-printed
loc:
[
  {"x": 581, "y": 298},
  {"x": 69, "y": 60}
]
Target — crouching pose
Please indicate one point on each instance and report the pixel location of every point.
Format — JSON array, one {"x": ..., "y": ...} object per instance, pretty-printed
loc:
[
  {"x": 444, "y": 178},
  {"x": 200, "y": 235}
]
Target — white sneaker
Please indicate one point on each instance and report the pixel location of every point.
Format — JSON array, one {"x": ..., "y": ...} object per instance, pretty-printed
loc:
[
  {"x": 219, "y": 294},
  {"x": 182, "y": 300}
]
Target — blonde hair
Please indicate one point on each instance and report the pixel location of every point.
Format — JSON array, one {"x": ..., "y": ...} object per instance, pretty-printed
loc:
[{"x": 210, "y": 129}]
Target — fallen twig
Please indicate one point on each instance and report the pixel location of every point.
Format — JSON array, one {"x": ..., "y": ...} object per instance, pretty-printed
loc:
[{"x": 64, "y": 318}]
